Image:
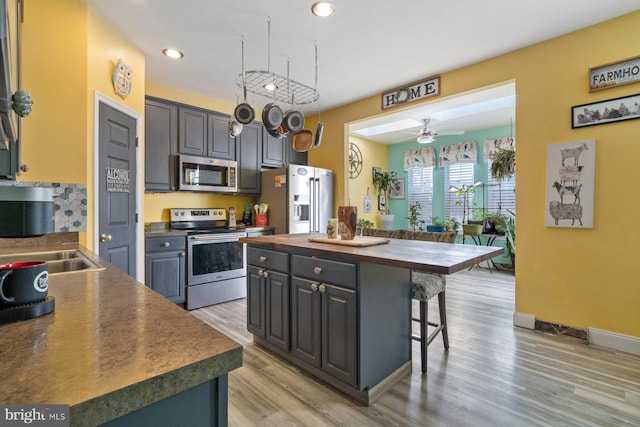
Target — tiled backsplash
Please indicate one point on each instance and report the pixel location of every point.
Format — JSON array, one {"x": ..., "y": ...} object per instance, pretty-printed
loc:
[{"x": 69, "y": 203}]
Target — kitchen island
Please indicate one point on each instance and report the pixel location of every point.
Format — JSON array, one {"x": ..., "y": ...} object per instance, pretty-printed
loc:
[
  {"x": 343, "y": 313},
  {"x": 117, "y": 353}
]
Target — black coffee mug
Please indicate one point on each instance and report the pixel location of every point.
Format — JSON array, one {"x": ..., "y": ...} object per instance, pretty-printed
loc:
[{"x": 23, "y": 282}]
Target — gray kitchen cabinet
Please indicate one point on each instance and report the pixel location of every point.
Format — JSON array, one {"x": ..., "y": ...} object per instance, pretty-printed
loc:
[
  {"x": 9, "y": 161},
  {"x": 324, "y": 317},
  {"x": 205, "y": 133},
  {"x": 268, "y": 296},
  {"x": 165, "y": 266},
  {"x": 193, "y": 131},
  {"x": 293, "y": 157},
  {"x": 273, "y": 150},
  {"x": 220, "y": 144},
  {"x": 249, "y": 156},
  {"x": 161, "y": 144}
]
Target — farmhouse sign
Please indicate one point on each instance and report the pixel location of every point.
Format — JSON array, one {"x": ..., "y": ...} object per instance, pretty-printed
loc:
[
  {"x": 614, "y": 74},
  {"x": 411, "y": 93}
]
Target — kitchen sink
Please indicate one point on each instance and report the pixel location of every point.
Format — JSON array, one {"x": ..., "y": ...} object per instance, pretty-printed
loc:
[{"x": 58, "y": 262}]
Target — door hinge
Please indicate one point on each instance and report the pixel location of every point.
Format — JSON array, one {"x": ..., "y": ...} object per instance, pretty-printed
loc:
[
  {"x": 136, "y": 140},
  {"x": 136, "y": 218}
]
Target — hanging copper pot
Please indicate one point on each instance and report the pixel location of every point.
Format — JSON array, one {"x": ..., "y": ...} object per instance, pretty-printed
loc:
[{"x": 302, "y": 141}]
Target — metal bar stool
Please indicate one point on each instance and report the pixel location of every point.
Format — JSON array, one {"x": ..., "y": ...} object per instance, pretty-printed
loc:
[{"x": 425, "y": 286}]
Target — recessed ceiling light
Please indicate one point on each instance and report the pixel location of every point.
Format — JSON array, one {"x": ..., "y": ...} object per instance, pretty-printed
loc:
[
  {"x": 173, "y": 53},
  {"x": 323, "y": 9},
  {"x": 270, "y": 86}
]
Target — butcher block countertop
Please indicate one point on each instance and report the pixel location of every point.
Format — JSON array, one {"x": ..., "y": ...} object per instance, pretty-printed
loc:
[
  {"x": 435, "y": 257},
  {"x": 111, "y": 346}
]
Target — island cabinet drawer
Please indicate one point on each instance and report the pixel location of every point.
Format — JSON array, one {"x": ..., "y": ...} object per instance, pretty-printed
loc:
[
  {"x": 165, "y": 243},
  {"x": 324, "y": 270},
  {"x": 272, "y": 260}
]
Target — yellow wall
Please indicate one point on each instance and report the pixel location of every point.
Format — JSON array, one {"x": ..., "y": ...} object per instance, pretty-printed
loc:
[
  {"x": 373, "y": 155},
  {"x": 69, "y": 52},
  {"x": 576, "y": 277}
]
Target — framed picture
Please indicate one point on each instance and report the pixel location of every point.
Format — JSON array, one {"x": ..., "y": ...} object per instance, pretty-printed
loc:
[
  {"x": 608, "y": 111},
  {"x": 375, "y": 171},
  {"x": 382, "y": 202},
  {"x": 570, "y": 184},
  {"x": 397, "y": 191}
]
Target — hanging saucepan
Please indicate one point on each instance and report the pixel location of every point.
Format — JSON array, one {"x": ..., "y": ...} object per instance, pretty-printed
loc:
[
  {"x": 293, "y": 121},
  {"x": 276, "y": 133},
  {"x": 272, "y": 116},
  {"x": 244, "y": 113},
  {"x": 318, "y": 139},
  {"x": 302, "y": 140},
  {"x": 235, "y": 128}
]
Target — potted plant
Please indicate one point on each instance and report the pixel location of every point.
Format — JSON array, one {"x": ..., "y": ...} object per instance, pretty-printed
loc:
[
  {"x": 503, "y": 165},
  {"x": 510, "y": 234},
  {"x": 437, "y": 226},
  {"x": 362, "y": 224},
  {"x": 415, "y": 223},
  {"x": 383, "y": 182},
  {"x": 467, "y": 191},
  {"x": 451, "y": 225}
]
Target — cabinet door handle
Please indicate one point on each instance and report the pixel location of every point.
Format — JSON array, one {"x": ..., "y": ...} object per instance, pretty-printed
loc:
[
  {"x": 166, "y": 244},
  {"x": 260, "y": 272},
  {"x": 263, "y": 258},
  {"x": 265, "y": 274},
  {"x": 105, "y": 237},
  {"x": 181, "y": 254},
  {"x": 322, "y": 288},
  {"x": 314, "y": 287},
  {"x": 317, "y": 270}
]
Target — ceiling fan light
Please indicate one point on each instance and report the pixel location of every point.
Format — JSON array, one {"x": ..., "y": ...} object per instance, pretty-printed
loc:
[
  {"x": 323, "y": 9},
  {"x": 425, "y": 138}
]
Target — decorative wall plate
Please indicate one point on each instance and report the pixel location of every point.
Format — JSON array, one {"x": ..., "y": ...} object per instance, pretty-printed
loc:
[{"x": 355, "y": 161}]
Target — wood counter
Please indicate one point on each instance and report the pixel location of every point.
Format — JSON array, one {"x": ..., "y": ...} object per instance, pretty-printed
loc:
[
  {"x": 435, "y": 257},
  {"x": 111, "y": 347}
]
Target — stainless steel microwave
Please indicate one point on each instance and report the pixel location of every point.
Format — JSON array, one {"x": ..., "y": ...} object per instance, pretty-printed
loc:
[{"x": 208, "y": 174}]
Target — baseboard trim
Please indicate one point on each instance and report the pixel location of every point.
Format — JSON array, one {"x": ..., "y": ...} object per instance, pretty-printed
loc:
[
  {"x": 615, "y": 341},
  {"x": 524, "y": 320}
]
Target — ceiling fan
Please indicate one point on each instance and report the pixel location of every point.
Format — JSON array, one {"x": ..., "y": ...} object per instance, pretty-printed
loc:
[{"x": 428, "y": 135}]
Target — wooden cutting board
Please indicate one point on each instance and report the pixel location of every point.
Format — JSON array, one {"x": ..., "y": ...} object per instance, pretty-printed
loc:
[{"x": 358, "y": 241}]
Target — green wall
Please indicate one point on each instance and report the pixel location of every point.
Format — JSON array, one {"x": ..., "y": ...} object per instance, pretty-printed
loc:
[{"x": 481, "y": 173}]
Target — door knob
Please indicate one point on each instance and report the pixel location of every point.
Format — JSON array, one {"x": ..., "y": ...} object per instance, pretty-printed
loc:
[{"x": 105, "y": 237}]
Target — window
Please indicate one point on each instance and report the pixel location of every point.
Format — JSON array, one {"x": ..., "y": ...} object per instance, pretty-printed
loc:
[
  {"x": 457, "y": 175},
  {"x": 500, "y": 194},
  {"x": 421, "y": 191}
]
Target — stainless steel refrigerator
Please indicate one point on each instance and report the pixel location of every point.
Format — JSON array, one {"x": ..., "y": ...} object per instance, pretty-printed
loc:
[{"x": 300, "y": 198}]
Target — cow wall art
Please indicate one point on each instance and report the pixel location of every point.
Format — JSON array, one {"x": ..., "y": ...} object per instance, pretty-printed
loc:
[{"x": 570, "y": 184}]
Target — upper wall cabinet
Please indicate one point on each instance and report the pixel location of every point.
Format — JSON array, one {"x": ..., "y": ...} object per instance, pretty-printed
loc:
[
  {"x": 161, "y": 142},
  {"x": 272, "y": 150},
  {"x": 204, "y": 133}
]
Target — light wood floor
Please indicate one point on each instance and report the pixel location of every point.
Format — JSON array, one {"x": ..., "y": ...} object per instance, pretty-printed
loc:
[{"x": 494, "y": 374}]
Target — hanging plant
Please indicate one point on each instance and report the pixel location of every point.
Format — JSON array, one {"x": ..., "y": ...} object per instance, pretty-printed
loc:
[{"x": 503, "y": 165}]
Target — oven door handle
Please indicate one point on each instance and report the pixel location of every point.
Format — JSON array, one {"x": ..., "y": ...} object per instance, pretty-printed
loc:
[{"x": 222, "y": 237}]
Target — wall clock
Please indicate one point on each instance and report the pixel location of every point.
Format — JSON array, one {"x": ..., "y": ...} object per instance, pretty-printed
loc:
[{"x": 355, "y": 161}]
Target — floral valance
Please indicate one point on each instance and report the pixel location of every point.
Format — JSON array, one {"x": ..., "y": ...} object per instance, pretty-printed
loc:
[
  {"x": 492, "y": 145},
  {"x": 421, "y": 158},
  {"x": 462, "y": 152}
]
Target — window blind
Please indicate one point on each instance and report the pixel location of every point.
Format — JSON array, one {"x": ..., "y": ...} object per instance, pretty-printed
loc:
[
  {"x": 420, "y": 189},
  {"x": 457, "y": 175}
]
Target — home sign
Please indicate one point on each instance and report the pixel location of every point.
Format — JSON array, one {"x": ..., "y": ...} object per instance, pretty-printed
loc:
[{"x": 411, "y": 93}]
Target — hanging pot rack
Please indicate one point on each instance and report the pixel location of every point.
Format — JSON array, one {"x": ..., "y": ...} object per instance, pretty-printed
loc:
[{"x": 255, "y": 81}]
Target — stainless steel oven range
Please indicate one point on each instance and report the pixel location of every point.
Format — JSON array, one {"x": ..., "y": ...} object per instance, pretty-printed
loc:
[{"x": 216, "y": 260}]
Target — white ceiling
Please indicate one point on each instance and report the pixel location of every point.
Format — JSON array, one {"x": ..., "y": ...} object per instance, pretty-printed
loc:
[{"x": 365, "y": 48}]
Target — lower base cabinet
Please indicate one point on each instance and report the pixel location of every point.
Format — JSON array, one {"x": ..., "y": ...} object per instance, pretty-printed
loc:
[
  {"x": 324, "y": 327},
  {"x": 346, "y": 323},
  {"x": 165, "y": 266}
]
